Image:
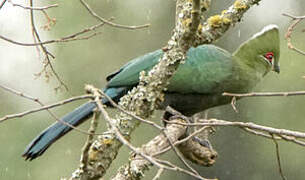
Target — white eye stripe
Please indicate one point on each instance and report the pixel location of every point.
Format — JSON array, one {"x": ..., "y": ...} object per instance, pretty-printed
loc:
[{"x": 269, "y": 61}]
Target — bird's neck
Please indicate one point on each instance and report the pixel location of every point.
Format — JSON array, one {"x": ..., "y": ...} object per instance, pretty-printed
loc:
[
  {"x": 251, "y": 62},
  {"x": 248, "y": 73}
]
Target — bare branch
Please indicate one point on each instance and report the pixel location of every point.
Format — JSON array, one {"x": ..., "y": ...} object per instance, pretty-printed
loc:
[
  {"x": 180, "y": 141},
  {"x": 293, "y": 139},
  {"x": 33, "y": 8},
  {"x": 157, "y": 176},
  {"x": 2, "y": 4},
  {"x": 85, "y": 150},
  {"x": 278, "y": 137},
  {"x": 109, "y": 22},
  {"x": 131, "y": 114},
  {"x": 278, "y": 157},
  {"x": 293, "y": 17},
  {"x": 67, "y": 38},
  {"x": 179, "y": 155},
  {"x": 21, "y": 94},
  {"x": 296, "y": 21},
  {"x": 264, "y": 131},
  {"x": 250, "y": 125},
  {"x": 11, "y": 116},
  {"x": 252, "y": 94},
  {"x": 46, "y": 53}
]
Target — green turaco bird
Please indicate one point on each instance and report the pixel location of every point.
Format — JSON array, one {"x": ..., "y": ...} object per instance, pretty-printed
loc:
[{"x": 197, "y": 85}]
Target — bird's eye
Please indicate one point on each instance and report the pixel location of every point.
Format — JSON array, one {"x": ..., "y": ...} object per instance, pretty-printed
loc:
[{"x": 269, "y": 56}]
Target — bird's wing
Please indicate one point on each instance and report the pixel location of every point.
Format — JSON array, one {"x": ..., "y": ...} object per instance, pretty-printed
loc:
[
  {"x": 128, "y": 75},
  {"x": 206, "y": 67},
  {"x": 207, "y": 70}
]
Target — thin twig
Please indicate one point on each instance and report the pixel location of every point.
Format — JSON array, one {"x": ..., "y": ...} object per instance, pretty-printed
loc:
[
  {"x": 281, "y": 137},
  {"x": 252, "y": 94},
  {"x": 293, "y": 17},
  {"x": 33, "y": 8},
  {"x": 2, "y": 4},
  {"x": 182, "y": 140},
  {"x": 115, "y": 105},
  {"x": 72, "y": 37},
  {"x": 157, "y": 176},
  {"x": 278, "y": 157},
  {"x": 250, "y": 125},
  {"x": 11, "y": 116},
  {"x": 178, "y": 154},
  {"x": 24, "y": 95},
  {"x": 175, "y": 168},
  {"x": 296, "y": 20},
  {"x": 44, "y": 49},
  {"x": 109, "y": 22},
  {"x": 292, "y": 139},
  {"x": 85, "y": 149}
]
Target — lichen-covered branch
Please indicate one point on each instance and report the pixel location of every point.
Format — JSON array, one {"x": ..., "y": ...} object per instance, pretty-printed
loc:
[
  {"x": 217, "y": 25},
  {"x": 172, "y": 134},
  {"x": 137, "y": 165}
]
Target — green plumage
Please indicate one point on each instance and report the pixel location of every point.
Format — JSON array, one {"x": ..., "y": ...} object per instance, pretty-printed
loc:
[
  {"x": 208, "y": 71},
  {"x": 197, "y": 85}
]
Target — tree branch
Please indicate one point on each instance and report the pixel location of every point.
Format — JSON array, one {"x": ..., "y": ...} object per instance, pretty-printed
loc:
[
  {"x": 11, "y": 116},
  {"x": 296, "y": 21},
  {"x": 33, "y": 8},
  {"x": 103, "y": 20},
  {"x": 253, "y": 94},
  {"x": 2, "y": 4}
]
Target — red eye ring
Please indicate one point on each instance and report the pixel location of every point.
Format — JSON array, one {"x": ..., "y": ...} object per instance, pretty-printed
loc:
[{"x": 269, "y": 56}]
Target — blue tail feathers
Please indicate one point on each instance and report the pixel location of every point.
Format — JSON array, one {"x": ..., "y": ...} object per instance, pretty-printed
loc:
[{"x": 41, "y": 143}]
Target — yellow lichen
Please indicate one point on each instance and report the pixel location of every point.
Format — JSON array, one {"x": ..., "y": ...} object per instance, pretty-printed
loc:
[
  {"x": 93, "y": 154},
  {"x": 239, "y": 5},
  {"x": 107, "y": 141},
  {"x": 200, "y": 27},
  {"x": 224, "y": 12},
  {"x": 187, "y": 22},
  {"x": 225, "y": 17},
  {"x": 226, "y": 20},
  {"x": 205, "y": 4},
  {"x": 215, "y": 21}
]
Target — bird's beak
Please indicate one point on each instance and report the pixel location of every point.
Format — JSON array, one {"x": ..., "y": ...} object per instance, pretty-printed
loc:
[{"x": 276, "y": 68}]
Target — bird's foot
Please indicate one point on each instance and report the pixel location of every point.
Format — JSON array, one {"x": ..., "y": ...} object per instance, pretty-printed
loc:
[{"x": 170, "y": 113}]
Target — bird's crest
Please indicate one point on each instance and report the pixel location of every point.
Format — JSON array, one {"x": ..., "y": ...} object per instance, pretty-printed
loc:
[{"x": 267, "y": 40}]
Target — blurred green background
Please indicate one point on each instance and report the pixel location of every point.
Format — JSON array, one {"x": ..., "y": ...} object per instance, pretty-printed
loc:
[{"x": 241, "y": 156}]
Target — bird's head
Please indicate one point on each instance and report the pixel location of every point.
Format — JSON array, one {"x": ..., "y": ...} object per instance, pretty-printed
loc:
[{"x": 262, "y": 50}]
